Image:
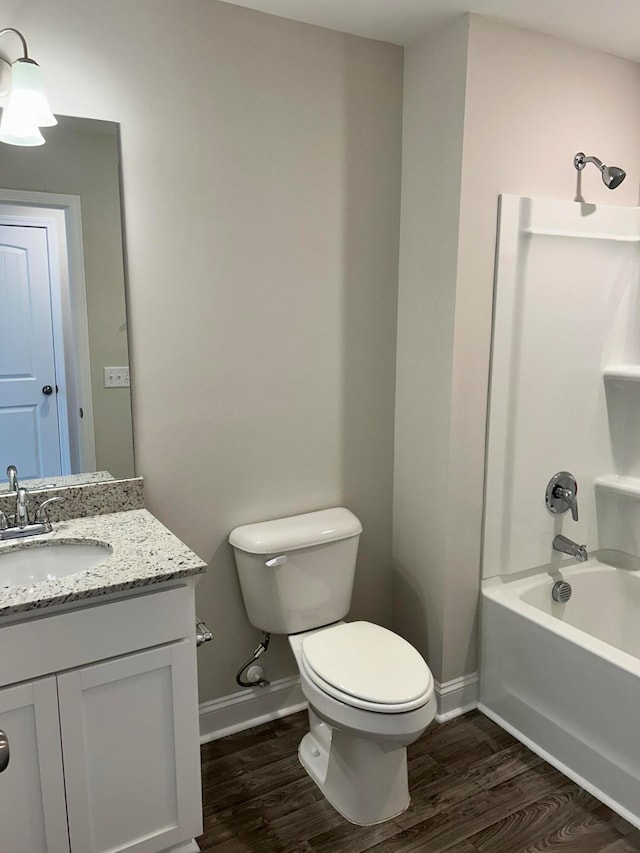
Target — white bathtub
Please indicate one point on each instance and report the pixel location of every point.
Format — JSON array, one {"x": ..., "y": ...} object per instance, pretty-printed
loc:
[{"x": 565, "y": 678}]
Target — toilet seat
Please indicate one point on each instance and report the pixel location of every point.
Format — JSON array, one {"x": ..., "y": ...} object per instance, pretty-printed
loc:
[{"x": 367, "y": 666}]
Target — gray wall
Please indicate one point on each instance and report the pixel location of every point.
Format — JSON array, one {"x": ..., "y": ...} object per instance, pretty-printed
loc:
[
  {"x": 492, "y": 109},
  {"x": 261, "y": 164},
  {"x": 434, "y": 100}
]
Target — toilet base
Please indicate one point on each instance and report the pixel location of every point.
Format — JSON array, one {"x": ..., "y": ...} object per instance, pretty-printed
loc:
[{"x": 364, "y": 781}]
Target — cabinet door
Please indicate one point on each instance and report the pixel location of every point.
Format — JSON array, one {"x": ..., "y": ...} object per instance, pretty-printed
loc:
[
  {"x": 33, "y": 815},
  {"x": 131, "y": 751}
]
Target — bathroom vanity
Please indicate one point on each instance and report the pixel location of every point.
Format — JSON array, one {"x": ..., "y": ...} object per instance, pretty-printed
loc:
[{"x": 98, "y": 695}]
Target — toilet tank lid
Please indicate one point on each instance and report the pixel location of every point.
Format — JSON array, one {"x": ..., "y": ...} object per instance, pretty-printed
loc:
[{"x": 296, "y": 531}]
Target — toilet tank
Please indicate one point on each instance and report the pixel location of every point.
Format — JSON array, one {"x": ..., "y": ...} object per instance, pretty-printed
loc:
[{"x": 297, "y": 573}]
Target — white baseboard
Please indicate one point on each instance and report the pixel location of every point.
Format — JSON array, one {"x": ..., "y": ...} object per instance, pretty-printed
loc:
[
  {"x": 256, "y": 705},
  {"x": 251, "y": 707},
  {"x": 189, "y": 847},
  {"x": 456, "y": 697}
]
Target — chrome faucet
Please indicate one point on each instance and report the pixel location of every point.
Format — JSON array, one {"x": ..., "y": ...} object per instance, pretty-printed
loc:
[
  {"x": 22, "y": 511},
  {"x": 568, "y": 546},
  {"x": 21, "y": 525},
  {"x": 12, "y": 474}
]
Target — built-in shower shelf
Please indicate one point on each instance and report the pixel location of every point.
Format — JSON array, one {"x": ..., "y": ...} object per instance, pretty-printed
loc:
[
  {"x": 594, "y": 235},
  {"x": 629, "y": 372},
  {"x": 620, "y": 485}
]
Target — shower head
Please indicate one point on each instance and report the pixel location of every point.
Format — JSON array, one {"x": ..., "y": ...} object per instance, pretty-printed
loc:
[{"x": 612, "y": 176}]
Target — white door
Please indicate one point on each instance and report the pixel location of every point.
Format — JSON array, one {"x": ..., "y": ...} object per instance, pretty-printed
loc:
[
  {"x": 131, "y": 752},
  {"x": 33, "y": 815},
  {"x": 29, "y": 430}
]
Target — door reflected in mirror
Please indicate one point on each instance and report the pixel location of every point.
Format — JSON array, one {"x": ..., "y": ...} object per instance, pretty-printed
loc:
[{"x": 65, "y": 403}]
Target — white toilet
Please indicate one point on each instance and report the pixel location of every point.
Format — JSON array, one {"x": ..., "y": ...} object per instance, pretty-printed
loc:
[{"x": 370, "y": 692}]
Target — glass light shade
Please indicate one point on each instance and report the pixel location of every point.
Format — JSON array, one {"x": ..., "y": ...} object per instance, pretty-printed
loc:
[
  {"x": 16, "y": 128},
  {"x": 27, "y": 90}
]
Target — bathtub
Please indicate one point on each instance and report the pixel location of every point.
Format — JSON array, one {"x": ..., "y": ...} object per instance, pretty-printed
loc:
[{"x": 565, "y": 678}]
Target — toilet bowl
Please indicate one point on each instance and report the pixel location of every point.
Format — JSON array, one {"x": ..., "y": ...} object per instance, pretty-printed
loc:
[
  {"x": 370, "y": 693},
  {"x": 363, "y": 713}
]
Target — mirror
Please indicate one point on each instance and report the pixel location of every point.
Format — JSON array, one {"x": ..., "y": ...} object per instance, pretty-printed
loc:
[{"x": 65, "y": 404}]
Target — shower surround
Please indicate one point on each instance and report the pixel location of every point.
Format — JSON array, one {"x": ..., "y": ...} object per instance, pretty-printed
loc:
[{"x": 565, "y": 396}]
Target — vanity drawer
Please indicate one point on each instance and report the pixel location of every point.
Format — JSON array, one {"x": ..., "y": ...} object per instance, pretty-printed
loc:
[{"x": 80, "y": 636}]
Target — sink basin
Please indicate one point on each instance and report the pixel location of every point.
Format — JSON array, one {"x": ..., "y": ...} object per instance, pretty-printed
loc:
[{"x": 35, "y": 563}]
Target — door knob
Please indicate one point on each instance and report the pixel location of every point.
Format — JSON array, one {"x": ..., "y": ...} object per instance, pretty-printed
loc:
[
  {"x": 47, "y": 389},
  {"x": 4, "y": 751}
]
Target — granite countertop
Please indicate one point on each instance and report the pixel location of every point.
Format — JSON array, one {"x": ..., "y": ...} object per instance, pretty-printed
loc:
[
  {"x": 62, "y": 481},
  {"x": 144, "y": 552}
]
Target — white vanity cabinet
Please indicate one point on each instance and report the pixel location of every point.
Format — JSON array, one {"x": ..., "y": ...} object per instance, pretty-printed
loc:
[
  {"x": 102, "y": 729},
  {"x": 33, "y": 813}
]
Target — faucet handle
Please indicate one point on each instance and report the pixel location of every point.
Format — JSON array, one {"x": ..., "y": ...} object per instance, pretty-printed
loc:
[
  {"x": 569, "y": 496},
  {"x": 41, "y": 512},
  {"x": 12, "y": 474},
  {"x": 561, "y": 494}
]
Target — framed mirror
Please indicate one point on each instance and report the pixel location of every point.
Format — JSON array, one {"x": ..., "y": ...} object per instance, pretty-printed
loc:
[{"x": 65, "y": 402}]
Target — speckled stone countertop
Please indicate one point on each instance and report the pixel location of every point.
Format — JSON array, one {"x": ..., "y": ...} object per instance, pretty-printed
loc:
[
  {"x": 144, "y": 552},
  {"x": 62, "y": 482},
  {"x": 80, "y": 500}
]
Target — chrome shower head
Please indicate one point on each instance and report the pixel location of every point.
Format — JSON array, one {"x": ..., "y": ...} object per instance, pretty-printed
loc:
[{"x": 612, "y": 176}]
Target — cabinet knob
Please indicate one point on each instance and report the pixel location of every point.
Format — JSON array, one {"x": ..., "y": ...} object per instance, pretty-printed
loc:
[{"x": 5, "y": 752}]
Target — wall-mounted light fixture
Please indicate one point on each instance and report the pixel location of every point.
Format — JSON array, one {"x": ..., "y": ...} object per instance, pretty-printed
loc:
[{"x": 27, "y": 108}]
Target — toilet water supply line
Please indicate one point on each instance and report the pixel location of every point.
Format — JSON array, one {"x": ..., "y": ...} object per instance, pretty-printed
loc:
[{"x": 260, "y": 681}]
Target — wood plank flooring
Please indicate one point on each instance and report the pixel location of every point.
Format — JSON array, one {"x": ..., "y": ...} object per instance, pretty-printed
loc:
[{"x": 474, "y": 789}]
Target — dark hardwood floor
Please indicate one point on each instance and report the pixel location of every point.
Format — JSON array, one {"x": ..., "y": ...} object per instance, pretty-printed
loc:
[{"x": 474, "y": 789}]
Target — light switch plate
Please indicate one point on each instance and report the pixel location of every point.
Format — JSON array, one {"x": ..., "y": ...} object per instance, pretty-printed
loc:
[{"x": 116, "y": 377}]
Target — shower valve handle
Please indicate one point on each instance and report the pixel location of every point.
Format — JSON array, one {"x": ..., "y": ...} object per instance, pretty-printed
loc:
[
  {"x": 562, "y": 494},
  {"x": 568, "y": 496}
]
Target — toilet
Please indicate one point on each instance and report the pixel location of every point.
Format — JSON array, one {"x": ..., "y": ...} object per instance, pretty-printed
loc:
[{"x": 370, "y": 693}]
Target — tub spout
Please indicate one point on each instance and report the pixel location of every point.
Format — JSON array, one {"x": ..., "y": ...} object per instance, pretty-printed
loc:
[{"x": 567, "y": 546}]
